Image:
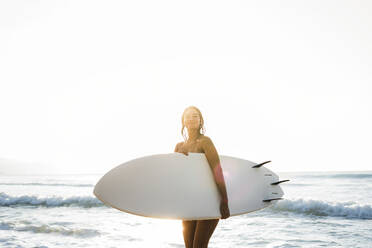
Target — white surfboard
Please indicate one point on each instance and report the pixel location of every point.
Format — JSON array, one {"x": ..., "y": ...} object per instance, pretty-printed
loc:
[{"x": 176, "y": 186}]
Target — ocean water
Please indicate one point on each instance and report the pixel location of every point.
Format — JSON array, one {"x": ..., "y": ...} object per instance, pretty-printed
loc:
[{"x": 328, "y": 209}]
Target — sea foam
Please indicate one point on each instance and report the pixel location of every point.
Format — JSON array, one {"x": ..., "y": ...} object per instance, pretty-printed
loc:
[
  {"x": 323, "y": 208},
  {"x": 51, "y": 201},
  {"x": 47, "y": 228}
]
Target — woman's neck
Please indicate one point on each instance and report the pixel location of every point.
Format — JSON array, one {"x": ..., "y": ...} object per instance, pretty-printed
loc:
[{"x": 193, "y": 135}]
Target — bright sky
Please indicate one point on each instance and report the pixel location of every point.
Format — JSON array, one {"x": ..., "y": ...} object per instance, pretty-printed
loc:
[{"x": 88, "y": 85}]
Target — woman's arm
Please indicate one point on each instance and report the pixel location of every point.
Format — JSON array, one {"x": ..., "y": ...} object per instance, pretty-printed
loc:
[{"x": 214, "y": 162}]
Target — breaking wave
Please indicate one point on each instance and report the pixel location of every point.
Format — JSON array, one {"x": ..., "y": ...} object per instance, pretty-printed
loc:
[
  {"x": 50, "y": 201},
  {"x": 323, "y": 208},
  {"x": 300, "y": 206}
]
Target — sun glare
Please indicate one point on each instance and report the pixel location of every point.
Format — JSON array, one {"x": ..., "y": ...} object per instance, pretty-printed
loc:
[{"x": 158, "y": 232}]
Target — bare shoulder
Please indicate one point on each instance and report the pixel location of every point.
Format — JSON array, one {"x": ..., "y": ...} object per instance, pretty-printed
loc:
[
  {"x": 178, "y": 146},
  {"x": 209, "y": 149},
  {"x": 205, "y": 138},
  {"x": 206, "y": 141}
]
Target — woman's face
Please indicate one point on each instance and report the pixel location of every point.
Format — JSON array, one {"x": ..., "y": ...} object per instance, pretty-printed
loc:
[{"x": 191, "y": 119}]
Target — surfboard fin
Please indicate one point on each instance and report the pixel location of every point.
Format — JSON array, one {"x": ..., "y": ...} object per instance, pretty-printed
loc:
[
  {"x": 276, "y": 183},
  {"x": 269, "y": 200},
  {"x": 259, "y": 165}
]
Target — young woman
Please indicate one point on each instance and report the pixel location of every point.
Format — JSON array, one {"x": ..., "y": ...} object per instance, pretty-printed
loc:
[{"x": 196, "y": 233}]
